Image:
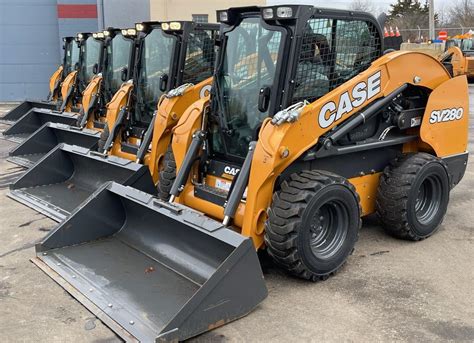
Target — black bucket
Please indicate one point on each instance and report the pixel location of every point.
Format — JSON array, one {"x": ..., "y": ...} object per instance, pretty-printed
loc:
[
  {"x": 33, "y": 120},
  {"x": 150, "y": 270},
  {"x": 69, "y": 174},
  {"x": 46, "y": 138},
  {"x": 19, "y": 111}
]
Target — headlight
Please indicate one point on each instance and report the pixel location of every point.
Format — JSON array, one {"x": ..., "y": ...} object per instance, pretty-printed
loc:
[
  {"x": 131, "y": 32},
  {"x": 80, "y": 36},
  {"x": 94, "y": 35},
  {"x": 223, "y": 16},
  {"x": 284, "y": 12},
  {"x": 267, "y": 13},
  {"x": 124, "y": 32},
  {"x": 139, "y": 27},
  {"x": 175, "y": 25},
  {"x": 100, "y": 35},
  {"x": 165, "y": 26},
  {"x": 106, "y": 33}
]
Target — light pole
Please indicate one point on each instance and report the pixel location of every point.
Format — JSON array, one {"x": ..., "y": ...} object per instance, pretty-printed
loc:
[{"x": 432, "y": 21}]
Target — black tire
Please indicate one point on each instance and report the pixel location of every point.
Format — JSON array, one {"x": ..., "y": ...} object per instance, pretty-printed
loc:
[
  {"x": 413, "y": 196},
  {"x": 167, "y": 175},
  {"x": 308, "y": 201},
  {"x": 104, "y": 135}
]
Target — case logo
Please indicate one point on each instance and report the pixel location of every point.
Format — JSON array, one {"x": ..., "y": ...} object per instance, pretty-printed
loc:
[
  {"x": 363, "y": 91},
  {"x": 231, "y": 171},
  {"x": 448, "y": 114}
]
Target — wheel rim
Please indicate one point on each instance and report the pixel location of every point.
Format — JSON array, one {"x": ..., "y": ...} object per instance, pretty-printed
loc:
[
  {"x": 428, "y": 199},
  {"x": 328, "y": 229}
]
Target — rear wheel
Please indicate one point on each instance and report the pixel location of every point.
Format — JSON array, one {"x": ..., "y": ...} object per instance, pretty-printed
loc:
[
  {"x": 313, "y": 224},
  {"x": 104, "y": 135},
  {"x": 413, "y": 196},
  {"x": 167, "y": 175}
]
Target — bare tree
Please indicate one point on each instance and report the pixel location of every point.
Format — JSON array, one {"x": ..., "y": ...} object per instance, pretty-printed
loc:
[
  {"x": 461, "y": 13},
  {"x": 363, "y": 5}
]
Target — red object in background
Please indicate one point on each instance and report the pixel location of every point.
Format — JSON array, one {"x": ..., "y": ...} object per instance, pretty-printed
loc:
[
  {"x": 397, "y": 33},
  {"x": 443, "y": 35},
  {"x": 392, "y": 34},
  {"x": 385, "y": 32},
  {"x": 77, "y": 11}
]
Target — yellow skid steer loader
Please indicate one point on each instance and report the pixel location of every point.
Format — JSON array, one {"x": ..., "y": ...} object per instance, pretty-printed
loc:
[
  {"x": 116, "y": 67},
  {"x": 90, "y": 62},
  {"x": 53, "y": 100},
  {"x": 308, "y": 128},
  {"x": 459, "y": 56},
  {"x": 169, "y": 55}
]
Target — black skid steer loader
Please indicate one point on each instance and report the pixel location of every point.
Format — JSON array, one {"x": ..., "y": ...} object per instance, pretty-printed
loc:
[
  {"x": 167, "y": 57},
  {"x": 117, "y": 67},
  {"x": 309, "y": 127},
  {"x": 90, "y": 63},
  {"x": 53, "y": 100}
]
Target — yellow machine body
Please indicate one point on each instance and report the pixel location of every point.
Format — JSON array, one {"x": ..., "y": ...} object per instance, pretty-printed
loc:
[
  {"x": 279, "y": 146},
  {"x": 54, "y": 82}
]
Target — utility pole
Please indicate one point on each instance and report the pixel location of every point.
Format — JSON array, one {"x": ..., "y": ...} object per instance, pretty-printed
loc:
[{"x": 432, "y": 20}]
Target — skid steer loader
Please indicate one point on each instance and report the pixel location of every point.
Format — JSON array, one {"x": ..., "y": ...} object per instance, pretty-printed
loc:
[
  {"x": 117, "y": 67},
  {"x": 308, "y": 128},
  {"x": 90, "y": 62},
  {"x": 459, "y": 56},
  {"x": 170, "y": 55},
  {"x": 70, "y": 58}
]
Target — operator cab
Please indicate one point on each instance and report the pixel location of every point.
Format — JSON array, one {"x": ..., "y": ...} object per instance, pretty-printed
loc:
[
  {"x": 271, "y": 58},
  {"x": 169, "y": 54}
]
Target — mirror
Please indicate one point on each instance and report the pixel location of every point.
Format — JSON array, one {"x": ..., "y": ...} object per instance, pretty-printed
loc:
[
  {"x": 95, "y": 68},
  {"x": 76, "y": 66},
  {"x": 124, "y": 74},
  {"x": 163, "y": 82},
  {"x": 264, "y": 98}
]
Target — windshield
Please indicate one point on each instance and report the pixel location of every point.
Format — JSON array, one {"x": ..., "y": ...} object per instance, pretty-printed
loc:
[
  {"x": 155, "y": 61},
  {"x": 91, "y": 57},
  {"x": 118, "y": 52},
  {"x": 71, "y": 51},
  {"x": 467, "y": 44},
  {"x": 249, "y": 64}
]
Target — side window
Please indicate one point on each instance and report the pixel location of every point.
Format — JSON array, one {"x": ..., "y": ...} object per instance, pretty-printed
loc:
[
  {"x": 314, "y": 63},
  {"x": 200, "y": 56},
  {"x": 357, "y": 45},
  {"x": 332, "y": 52}
]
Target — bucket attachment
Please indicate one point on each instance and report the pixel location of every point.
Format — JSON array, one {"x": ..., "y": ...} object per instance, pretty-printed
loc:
[
  {"x": 150, "y": 270},
  {"x": 23, "y": 108},
  {"x": 46, "y": 138},
  {"x": 33, "y": 120},
  {"x": 69, "y": 174}
]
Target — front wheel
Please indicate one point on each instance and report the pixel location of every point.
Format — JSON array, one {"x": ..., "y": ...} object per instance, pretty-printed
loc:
[
  {"x": 167, "y": 175},
  {"x": 313, "y": 224}
]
